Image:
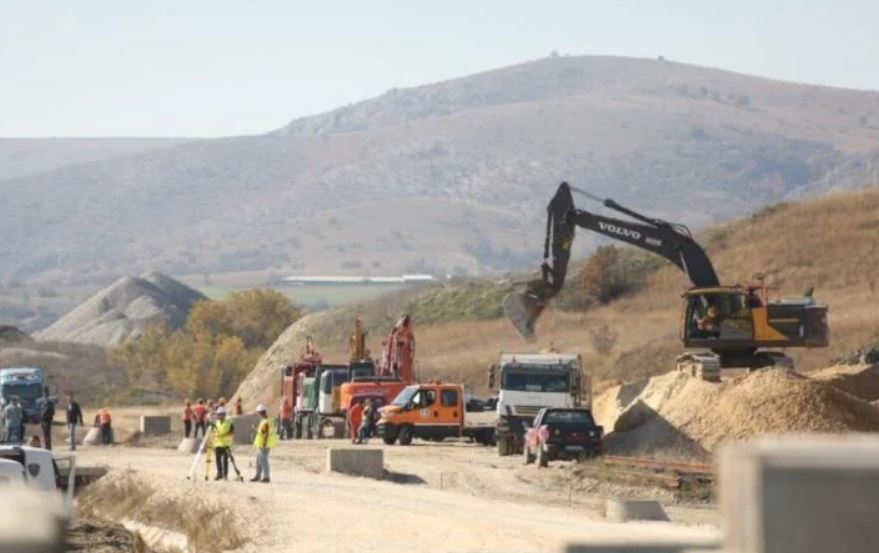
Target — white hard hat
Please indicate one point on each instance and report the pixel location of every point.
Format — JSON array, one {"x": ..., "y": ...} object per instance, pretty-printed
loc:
[
  {"x": 261, "y": 408},
  {"x": 221, "y": 410}
]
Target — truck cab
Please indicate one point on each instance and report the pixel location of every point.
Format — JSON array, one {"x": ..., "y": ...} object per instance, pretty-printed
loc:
[
  {"x": 25, "y": 383},
  {"x": 327, "y": 420},
  {"x": 529, "y": 382}
]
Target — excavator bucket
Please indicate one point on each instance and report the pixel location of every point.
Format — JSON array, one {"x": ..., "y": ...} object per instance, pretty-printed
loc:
[{"x": 523, "y": 309}]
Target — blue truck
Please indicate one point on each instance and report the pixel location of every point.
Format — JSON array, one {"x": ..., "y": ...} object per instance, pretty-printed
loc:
[{"x": 27, "y": 384}]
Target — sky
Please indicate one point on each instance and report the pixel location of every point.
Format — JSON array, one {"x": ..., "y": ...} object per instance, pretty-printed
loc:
[{"x": 209, "y": 68}]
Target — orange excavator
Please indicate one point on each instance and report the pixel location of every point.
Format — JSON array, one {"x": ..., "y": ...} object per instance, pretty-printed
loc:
[
  {"x": 393, "y": 372},
  {"x": 733, "y": 322}
]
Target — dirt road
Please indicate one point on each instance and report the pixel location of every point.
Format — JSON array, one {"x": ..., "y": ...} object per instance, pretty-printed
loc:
[{"x": 437, "y": 497}]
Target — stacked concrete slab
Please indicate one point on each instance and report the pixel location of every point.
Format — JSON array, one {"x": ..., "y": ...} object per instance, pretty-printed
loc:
[
  {"x": 801, "y": 495},
  {"x": 155, "y": 425},
  {"x": 356, "y": 461}
]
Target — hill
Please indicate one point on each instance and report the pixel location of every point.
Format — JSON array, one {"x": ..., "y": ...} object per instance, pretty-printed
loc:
[
  {"x": 828, "y": 243},
  {"x": 123, "y": 309},
  {"x": 446, "y": 177}
]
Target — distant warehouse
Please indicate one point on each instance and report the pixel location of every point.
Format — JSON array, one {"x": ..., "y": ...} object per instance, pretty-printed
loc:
[{"x": 357, "y": 280}]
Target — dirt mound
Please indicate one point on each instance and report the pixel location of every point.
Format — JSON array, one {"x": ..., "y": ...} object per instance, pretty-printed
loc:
[
  {"x": 858, "y": 380},
  {"x": 691, "y": 416},
  {"x": 123, "y": 309}
]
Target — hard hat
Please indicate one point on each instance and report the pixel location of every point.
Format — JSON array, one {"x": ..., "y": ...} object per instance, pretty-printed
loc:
[
  {"x": 221, "y": 410},
  {"x": 261, "y": 409}
]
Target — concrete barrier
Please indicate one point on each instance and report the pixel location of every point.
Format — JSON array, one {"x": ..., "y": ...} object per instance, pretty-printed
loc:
[
  {"x": 156, "y": 425},
  {"x": 92, "y": 437},
  {"x": 356, "y": 461},
  {"x": 800, "y": 495},
  {"x": 31, "y": 521},
  {"x": 624, "y": 510},
  {"x": 188, "y": 445}
]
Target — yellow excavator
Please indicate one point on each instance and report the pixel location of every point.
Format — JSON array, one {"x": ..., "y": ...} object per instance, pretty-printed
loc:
[{"x": 733, "y": 323}]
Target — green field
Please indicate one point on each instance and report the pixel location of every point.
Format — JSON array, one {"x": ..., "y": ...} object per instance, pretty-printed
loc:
[{"x": 313, "y": 296}]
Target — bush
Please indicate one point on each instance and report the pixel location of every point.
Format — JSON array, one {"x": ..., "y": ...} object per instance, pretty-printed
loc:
[
  {"x": 608, "y": 274},
  {"x": 220, "y": 343}
]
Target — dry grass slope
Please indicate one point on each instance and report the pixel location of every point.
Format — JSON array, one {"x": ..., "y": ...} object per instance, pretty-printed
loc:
[{"x": 830, "y": 243}]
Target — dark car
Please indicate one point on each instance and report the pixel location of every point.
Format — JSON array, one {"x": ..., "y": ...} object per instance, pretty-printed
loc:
[{"x": 562, "y": 434}]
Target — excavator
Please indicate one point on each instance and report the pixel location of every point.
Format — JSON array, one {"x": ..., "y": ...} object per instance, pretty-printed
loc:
[{"x": 733, "y": 323}]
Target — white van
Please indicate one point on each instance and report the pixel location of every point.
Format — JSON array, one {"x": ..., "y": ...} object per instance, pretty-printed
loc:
[
  {"x": 38, "y": 465},
  {"x": 11, "y": 474}
]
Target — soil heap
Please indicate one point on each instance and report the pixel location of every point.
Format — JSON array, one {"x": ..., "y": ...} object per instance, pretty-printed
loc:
[
  {"x": 122, "y": 310},
  {"x": 688, "y": 417}
]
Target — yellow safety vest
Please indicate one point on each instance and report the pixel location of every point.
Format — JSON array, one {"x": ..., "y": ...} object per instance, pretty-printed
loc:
[
  {"x": 223, "y": 433},
  {"x": 265, "y": 435}
]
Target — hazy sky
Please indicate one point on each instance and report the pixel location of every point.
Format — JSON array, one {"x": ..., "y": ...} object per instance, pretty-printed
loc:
[{"x": 215, "y": 67}]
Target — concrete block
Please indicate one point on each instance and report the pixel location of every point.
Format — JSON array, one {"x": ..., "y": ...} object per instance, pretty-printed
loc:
[
  {"x": 188, "y": 445},
  {"x": 245, "y": 428},
  {"x": 157, "y": 425},
  {"x": 800, "y": 495},
  {"x": 624, "y": 510},
  {"x": 92, "y": 437},
  {"x": 358, "y": 461},
  {"x": 31, "y": 521}
]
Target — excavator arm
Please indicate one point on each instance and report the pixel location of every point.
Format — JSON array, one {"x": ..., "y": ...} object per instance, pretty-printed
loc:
[{"x": 672, "y": 241}]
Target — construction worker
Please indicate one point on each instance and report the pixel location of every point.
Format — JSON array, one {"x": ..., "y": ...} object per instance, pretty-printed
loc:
[
  {"x": 199, "y": 412},
  {"x": 709, "y": 323},
  {"x": 47, "y": 416},
  {"x": 13, "y": 417},
  {"x": 355, "y": 417},
  {"x": 106, "y": 422},
  {"x": 239, "y": 407},
  {"x": 264, "y": 441},
  {"x": 286, "y": 414},
  {"x": 364, "y": 432},
  {"x": 187, "y": 418},
  {"x": 223, "y": 430},
  {"x": 74, "y": 417}
]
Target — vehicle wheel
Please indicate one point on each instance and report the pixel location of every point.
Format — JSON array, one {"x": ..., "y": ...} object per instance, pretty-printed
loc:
[
  {"x": 406, "y": 434},
  {"x": 542, "y": 457},
  {"x": 529, "y": 457}
]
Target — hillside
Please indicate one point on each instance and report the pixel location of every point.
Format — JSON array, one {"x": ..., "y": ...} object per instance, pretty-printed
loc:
[
  {"x": 123, "y": 309},
  {"x": 27, "y": 156},
  {"x": 446, "y": 177},
  {"x": 829, "y": 243}
]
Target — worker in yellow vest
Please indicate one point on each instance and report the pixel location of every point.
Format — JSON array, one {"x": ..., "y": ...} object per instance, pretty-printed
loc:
[
  {"x": 264, "y": 441},
  {"x": 223, "y": 430}
]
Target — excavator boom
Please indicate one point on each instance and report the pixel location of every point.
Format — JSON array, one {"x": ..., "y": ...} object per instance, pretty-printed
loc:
[{"x": 672, "y": 241}]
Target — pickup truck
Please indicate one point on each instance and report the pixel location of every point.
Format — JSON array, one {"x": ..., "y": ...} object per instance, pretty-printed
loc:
[
  {"x": 559, "y": 433},
  {"x": 433, "y": 411}
]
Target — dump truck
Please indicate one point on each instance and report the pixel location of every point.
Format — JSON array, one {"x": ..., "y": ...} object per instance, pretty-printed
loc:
[
  {"x": 27, "y": 384},
  {"x": 433, "y": 411},
  {"x": 528, "y": 382},
  {"x": 327, "y": 418},
  {"x": 294, "y": 379}
]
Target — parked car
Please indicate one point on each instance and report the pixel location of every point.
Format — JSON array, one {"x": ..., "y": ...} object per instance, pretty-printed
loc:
[{"x": 569, "y": 433}]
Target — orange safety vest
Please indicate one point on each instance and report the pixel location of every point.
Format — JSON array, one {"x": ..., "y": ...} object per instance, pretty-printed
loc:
[{"x": 105, "y": 417}]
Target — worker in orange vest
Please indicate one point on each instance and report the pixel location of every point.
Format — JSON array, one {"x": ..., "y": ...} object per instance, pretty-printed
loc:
[
  {"x": 355, "y": 418},
  {"x": 106, "y": 421},
  {"x": 199, "y": 412},
  {"x": 187, "y": 418},
  {"x": 286, "y": 414}
]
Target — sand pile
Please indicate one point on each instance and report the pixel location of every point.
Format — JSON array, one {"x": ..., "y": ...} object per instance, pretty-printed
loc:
[
  {"x": 859, "y": 380},
  {"x": 123, "y": 309},
  {"x": 691, "y": 416}
]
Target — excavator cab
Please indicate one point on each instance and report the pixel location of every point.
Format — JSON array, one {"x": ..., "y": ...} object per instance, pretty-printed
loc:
[{"x": 718, "y": 315}]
